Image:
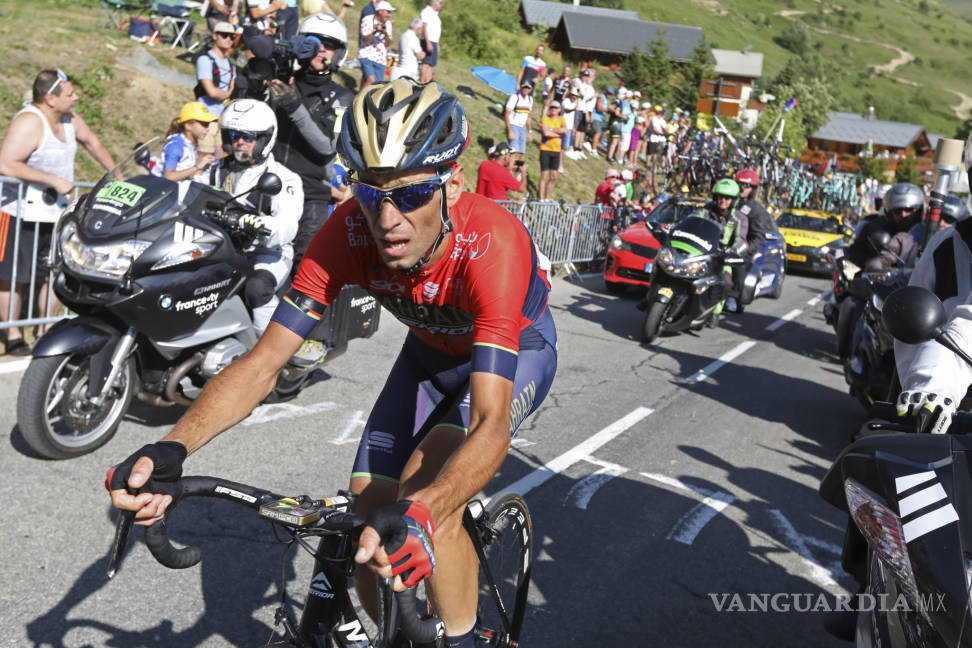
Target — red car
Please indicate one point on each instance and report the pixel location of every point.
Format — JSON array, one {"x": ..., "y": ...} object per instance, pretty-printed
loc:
[{"x": 631, "y": 253}]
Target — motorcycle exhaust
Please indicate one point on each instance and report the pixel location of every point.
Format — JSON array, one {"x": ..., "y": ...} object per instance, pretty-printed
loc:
[{"x": 172, "y": 385}]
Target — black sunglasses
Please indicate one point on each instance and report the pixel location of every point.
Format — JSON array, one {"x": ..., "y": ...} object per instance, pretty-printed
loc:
[
  {"x": 234, "y": 135},
  {"x": 406, "y": 197}
]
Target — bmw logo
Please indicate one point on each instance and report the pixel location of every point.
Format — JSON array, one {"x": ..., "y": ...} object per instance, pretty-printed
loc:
[{"x": 165, "y": 302}]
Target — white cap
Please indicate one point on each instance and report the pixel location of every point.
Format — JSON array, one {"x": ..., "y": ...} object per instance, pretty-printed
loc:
[
  {"x": 384, "y": 5},
  {"x": 626, "y": 174}
]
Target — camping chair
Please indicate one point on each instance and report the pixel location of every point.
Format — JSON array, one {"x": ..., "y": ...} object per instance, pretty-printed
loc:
[
  {"x": 175, "y": 13},
  {"x": 116, "y": 12}
]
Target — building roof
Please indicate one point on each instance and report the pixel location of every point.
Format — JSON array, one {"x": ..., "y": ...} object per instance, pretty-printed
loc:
[
  {"x": 736, "y": 63},
  {"x": 622, "y": 36},
  {"x": 535, "y": 11},
  {"x": 857, "y": 129},
  {"x": 933, "y": 139}
]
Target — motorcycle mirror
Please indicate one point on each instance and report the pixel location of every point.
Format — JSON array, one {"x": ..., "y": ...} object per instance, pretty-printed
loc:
[
  {"x": 879, "y": 240},
  {"x": 269, "y": 184},
  {"x": 913, "y": 314}
]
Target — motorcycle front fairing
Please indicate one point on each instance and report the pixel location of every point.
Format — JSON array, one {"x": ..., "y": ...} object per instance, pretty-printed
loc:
[{"x": 910, "y": 472}]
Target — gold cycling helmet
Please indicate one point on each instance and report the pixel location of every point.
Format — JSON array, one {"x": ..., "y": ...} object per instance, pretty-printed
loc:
[{"x": 401, "y": 126}]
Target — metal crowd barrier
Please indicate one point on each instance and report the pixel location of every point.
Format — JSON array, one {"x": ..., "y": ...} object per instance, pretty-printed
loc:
[
  {"x": 12, "y": 193},
  {"x": 565, "y": 234}
]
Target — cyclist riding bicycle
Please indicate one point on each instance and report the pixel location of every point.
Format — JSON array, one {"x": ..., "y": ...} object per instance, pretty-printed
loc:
[{"x": 463, "y": 274}]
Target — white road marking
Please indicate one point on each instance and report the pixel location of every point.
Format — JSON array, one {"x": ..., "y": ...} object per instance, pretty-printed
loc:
[
  {"x": 797, "y": 543},
  {"x": 521, "y": 443},
  {"x": 349, "y": 433},
  {"x": 816, "y": 300},
  {"x": 792, "y": 315},
  {"x": 723, "y": 360},
  {"x": 275, "y": 411},
  {"x": 577, "y": 453},
  {"x": 690, "y": 524},
  {"x": 584, "y": 490}
]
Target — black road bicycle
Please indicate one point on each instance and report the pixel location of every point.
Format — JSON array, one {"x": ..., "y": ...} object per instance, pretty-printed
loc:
[{"x": 501, "y": 531}]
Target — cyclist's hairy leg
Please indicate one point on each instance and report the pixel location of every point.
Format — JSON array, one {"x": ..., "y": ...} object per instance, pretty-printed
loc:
[
  {"x": 372, "y": 493},
  {"x": 453, "y": 589}
]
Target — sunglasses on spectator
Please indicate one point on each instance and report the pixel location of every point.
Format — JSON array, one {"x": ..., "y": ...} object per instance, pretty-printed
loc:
[
  {"x": 234, "y": 135},
  {"x": 224, "y": 34},
  {"x": 61, "y": 77},
  {"x": 407, "y": 197}
]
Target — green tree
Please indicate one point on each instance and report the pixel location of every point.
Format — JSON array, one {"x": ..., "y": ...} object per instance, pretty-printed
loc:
[
  {"x": 795, "y": 37},
  {"x": 907, "y": 170},
  {"x": 652, "y": 69},
  {"x": 692, "y": 73},
  {"x": 872, "y": 167}
]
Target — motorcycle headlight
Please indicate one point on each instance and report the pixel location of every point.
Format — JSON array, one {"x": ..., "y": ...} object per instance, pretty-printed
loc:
[
  {"x": 883, "y": 531},
  {"x": 694, "y": 268},
  {"x": 184, "y": 253},
  {"x": 106, "y": 261},
  {"x": 665, "y": 257},
  {"x": 619, "y": 243},
  {"x": 823, "y": 250}
]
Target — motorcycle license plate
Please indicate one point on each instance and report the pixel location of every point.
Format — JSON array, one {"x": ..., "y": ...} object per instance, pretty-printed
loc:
[
  {"x": 666, "y": 292},
  {"x": 648, "y": 267},
  {"x": 801, "y": 258}
]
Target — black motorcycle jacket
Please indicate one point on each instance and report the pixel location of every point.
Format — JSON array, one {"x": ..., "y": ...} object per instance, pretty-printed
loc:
[
  {"x": 902, "y": 250},
  {"x": 307, "y": 137},
  {"x": 758, "y": 224}
]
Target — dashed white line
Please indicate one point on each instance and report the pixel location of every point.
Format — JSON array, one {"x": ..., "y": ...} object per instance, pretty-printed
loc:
[
  {"x": 789, "y": 317},
  {"x": 577, "y": 453},
  {"x": 723, "y": 360}
]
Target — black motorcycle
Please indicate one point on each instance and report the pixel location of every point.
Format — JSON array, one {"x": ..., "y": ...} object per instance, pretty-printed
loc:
[
  {"x": 155, "y": 270},
  {"x": 869, "y": 368},
  {"x": 686, "y": 277},
  {"x": 909, "y": 497}
]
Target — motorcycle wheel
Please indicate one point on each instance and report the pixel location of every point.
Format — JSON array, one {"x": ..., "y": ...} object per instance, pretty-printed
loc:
[
  {"x": 777, "y": 291},
  {"x": 847, "y": 316},
  {"x": 55, "y": 417},
  {"x": 653, "y": 320}
]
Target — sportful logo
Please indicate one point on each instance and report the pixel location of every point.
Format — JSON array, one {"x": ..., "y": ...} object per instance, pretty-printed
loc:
[
  {"x": 321, "y": 587},
  {"x": 927, "y": 522},
  {"x": 186, "y": 234},
  {"x": 381, "y": 441}
]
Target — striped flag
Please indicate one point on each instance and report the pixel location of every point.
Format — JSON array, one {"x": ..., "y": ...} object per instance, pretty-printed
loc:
[{"x": 790, "y": 104}]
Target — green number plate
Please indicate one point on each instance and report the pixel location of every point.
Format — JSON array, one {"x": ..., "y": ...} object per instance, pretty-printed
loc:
[{"x": 123, "y": 192}]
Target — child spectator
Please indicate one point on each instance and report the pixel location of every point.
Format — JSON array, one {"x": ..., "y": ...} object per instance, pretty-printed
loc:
[{"x": 181, "y": 159}]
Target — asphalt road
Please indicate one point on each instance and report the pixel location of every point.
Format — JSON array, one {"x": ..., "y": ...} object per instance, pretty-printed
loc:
[{"x": 673, "y": 480}]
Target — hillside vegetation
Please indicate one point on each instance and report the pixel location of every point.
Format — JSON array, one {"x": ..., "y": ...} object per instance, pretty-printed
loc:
[{"x": 906, "y": 58}]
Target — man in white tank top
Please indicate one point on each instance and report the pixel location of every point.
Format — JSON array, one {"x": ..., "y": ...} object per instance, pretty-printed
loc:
[{"x": 39, "y": 148}]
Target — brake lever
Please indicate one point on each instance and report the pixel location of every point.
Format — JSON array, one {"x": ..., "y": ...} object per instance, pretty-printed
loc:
[{"x": 122, "y": 529}]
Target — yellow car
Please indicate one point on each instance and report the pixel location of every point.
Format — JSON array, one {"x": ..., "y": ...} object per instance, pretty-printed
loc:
[{"x": 811, "y": 238}]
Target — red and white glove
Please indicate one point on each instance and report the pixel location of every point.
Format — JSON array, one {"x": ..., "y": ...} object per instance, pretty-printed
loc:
[{"x": 406, "y": 531}]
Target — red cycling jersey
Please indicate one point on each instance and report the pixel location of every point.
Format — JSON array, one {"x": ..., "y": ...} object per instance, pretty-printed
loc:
[{"x": 478, "y": 300}]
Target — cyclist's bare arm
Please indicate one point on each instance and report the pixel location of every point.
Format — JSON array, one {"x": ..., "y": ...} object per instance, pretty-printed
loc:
[{"x": 225, "y": 401}]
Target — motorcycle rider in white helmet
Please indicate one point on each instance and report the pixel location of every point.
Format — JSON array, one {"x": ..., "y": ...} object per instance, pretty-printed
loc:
[
  {"x": 249, "y": 129},
  {"x": 933, "y": 379}
]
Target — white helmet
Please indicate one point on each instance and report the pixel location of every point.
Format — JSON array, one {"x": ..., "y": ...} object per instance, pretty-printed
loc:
[
  {"x": 250, "y": 116},
  {"x": 330, "y": 30}
]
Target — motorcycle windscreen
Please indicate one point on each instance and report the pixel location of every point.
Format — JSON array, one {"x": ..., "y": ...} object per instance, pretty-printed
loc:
[
  {"x": 696, "y": 236},
  {"x": 132, "y": 196}
]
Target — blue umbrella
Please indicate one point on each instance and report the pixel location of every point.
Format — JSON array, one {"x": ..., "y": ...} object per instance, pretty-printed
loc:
[{"x": 496, "y": 78}]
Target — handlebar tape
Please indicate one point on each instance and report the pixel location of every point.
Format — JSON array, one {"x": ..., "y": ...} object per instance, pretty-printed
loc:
[{"x": 416, "y": 627}]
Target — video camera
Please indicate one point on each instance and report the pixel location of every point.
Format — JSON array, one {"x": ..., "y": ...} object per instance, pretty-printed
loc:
[{"x": 259, "y": 71}]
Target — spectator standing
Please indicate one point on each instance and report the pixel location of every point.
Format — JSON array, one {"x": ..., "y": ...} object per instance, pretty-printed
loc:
[
  {"x": 181, "y": 159},
  {"x": 431, "y": 33},
  {"x": 533, "y": 69},
  {"x": 627, "y": 127},
  {"x": 215, "y": 73},
  {"x": 39, "y": 148},
  {"x": 617, "y": 115},
  {"x": 640, "y": 195},
  {"x": 410, "y": 52},
  {"x": 222, "y": 11},
  {"x": 599, "y": 117},
  {"x": 657, "y": 134},
  {"x": 637, "y": 133},
  {"x": 494, "y": 179},
  {"x": 569, "y": 105},
  {"x": 552, "y": 129},
  {"x": 547, "y": 87},
  {"x": 310, "y": 7},
  {"x": 519, "y": 126},
  {"x": 585, "y": 106},
  {"x": 560, "y": 85},
  {"x": 375, "y": 34},
  {"x": 262, "y": 14}
]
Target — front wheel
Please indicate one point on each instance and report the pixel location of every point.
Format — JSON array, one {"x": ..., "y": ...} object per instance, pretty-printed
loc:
[
  {"x": 53, "y": 411},
  {"x": 653, "y": 320},
  {"x": 506, "y": 532}
]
